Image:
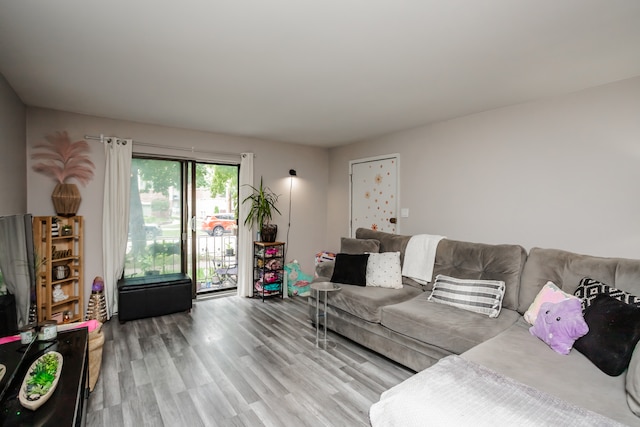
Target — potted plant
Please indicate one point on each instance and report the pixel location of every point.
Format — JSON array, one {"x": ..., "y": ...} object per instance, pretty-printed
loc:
[
  {"x": 263, "y": 205},
  {"x": 67, "y": 230},
  {"x": 230, "y": 251}
]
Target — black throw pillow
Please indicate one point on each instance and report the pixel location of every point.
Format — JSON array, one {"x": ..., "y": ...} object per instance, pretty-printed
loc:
[
  {"x": 350, "y": 269},
  {"x": 614, "y": 331}
]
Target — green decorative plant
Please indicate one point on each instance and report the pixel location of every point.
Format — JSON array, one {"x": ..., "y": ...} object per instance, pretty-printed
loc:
[{"x": 263, "y": 206}]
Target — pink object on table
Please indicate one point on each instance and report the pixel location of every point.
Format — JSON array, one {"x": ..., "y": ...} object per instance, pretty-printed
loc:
[{"x": 91, "y": 324}]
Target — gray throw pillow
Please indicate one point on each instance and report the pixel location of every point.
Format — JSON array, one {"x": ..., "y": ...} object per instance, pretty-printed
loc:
[{"x": 358, "y": 246}]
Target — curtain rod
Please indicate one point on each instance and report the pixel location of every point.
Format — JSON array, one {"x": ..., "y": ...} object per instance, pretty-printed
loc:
[{"x": 146, "y": 144}]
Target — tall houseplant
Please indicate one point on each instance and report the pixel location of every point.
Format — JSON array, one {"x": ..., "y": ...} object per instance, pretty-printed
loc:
[
  {"x": 62, "y": 160},
  {"x": 263, "y": 206}
]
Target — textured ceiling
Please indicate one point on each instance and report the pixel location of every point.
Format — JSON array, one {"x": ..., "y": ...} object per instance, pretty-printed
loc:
[{"x": 312, "y": 72}]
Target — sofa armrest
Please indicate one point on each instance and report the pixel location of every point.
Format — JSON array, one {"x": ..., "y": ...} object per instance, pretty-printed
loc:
[{"x": 324, "y": 270}]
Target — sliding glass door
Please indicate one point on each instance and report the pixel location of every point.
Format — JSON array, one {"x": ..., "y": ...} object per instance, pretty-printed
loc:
[
  {"x": 154, "y": 246},
  {"x": 182, "y": 219}
]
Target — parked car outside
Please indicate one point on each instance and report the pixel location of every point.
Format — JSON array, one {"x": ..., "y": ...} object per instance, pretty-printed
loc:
[{"x": 218, "y": 224}]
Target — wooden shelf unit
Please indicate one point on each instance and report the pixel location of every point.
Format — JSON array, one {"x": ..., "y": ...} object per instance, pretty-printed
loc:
[{"x": 53, "y": 251}]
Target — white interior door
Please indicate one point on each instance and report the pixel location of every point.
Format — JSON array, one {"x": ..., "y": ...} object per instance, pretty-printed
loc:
[{"x": 374, "y": 194}]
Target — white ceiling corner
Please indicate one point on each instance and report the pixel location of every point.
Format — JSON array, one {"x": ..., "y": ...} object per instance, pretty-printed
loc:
[{"x": 319, "y": 73}]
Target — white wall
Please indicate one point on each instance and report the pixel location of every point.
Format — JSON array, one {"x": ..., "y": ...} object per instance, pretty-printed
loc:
[
  {"x": 560, "y": 173},
  {"x": 273, "y": 161},
  {"x": 13, "y": 183}
]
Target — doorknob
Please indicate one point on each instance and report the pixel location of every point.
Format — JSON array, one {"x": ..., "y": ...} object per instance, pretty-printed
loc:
[{"x": 393, "y": 220}]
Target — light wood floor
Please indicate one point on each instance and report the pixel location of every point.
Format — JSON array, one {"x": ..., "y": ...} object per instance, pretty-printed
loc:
[{"x": 235, "y": 362}]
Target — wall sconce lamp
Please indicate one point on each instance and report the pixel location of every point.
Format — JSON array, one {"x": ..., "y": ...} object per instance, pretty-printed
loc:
[{"x": 292, "y": 172}]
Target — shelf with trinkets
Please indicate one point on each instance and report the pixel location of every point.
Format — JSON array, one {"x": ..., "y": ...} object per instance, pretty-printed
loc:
[{"x": 268, "y": 269}]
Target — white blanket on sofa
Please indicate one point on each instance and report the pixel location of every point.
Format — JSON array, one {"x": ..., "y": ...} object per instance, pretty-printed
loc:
[
  {"x": 457, "y": 392},
  {"x": 419, "y": 257}
]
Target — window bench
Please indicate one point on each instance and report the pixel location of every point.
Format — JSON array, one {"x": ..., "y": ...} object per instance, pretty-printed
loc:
[{"x": 156, "y": 295}]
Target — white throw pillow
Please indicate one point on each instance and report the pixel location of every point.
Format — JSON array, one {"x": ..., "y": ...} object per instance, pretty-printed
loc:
[
  {"x": 550, "y": 292},
  {"x": 384, "y": 270}
]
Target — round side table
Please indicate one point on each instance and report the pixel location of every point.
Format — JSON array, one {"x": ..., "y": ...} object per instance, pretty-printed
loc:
[{"x": 325, "y": 287}]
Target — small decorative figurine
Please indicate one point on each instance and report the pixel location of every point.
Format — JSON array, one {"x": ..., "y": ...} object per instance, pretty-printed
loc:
[
  {"x": 58, "y": 294},
  {"x": 97, "y": 308}
]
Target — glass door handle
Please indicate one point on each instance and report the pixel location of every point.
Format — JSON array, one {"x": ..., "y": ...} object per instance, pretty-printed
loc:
[{"x": 193, "y": 224}]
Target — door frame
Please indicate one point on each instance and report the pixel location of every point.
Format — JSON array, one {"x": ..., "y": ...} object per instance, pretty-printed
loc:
[
  {"x": 396, "y": 157},
  {"x": 188, "y": 197},
  {"x": 192, "y": 230}
]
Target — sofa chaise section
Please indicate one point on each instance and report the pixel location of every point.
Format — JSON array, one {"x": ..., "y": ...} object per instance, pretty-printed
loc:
[
  {"x": 449, "y": 328},
  {"x": 517, "y": 355}
]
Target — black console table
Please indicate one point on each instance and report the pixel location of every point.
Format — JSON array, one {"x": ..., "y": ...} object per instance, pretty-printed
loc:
[{"x": 67, "y": 404}]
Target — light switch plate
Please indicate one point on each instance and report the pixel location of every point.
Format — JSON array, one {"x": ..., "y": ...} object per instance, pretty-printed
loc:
[{"x": 404, "y": 213}]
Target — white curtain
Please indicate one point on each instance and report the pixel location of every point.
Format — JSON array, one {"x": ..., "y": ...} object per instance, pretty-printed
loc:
[
  {"x": 17, "y": 261},
  {"x": 115, "y": 215},
  {"x": 245, "y": 235}
]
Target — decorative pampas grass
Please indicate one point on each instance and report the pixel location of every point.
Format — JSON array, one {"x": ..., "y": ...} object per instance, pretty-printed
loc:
[{"x": 63, "y": 159}]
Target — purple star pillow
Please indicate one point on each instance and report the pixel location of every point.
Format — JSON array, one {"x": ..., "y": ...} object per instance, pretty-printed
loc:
[{"x": 560, "y": 324}]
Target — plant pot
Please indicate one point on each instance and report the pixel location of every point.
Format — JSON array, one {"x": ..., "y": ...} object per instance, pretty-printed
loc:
[
  {"x": 66, "y": 199},
  {"x": 269, "y": 232}
]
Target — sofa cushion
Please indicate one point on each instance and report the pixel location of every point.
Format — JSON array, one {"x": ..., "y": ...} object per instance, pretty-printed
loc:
[
  {"x": 523, "y": 357},
  {"x": 444, "y": 326},
  {"x": 358, "y": 246},
  {"x": 350, "y": 269},
  {"x": 479, "y": 296},
  {"x": 614, "y": 331},
  {"x": 633, "y": 382},
  {"x": 467, "y": 260},
  {"x": 388, "y": 242},
  {"x": 384, "y": 270},
  {"x": 566, "y": 269},
  {"x": 367, "y": 302},
  {"x": 589, "y": 289}
]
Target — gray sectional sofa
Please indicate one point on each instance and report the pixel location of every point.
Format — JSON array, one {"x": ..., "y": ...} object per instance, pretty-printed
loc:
[{"x": 403, "y": 325}]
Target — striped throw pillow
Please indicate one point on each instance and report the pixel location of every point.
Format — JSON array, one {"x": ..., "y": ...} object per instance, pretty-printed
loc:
[{"x": 479, "y": 296}]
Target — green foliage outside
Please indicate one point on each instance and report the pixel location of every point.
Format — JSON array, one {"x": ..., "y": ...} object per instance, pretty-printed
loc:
[
  {"x": 157, "y": 175},
  {"x": 160, "y": 176},
  {"x": 160, "y": 205}
]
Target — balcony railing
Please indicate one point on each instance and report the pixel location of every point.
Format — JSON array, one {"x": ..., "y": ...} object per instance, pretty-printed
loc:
[{"x": 216, "y": 260}]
